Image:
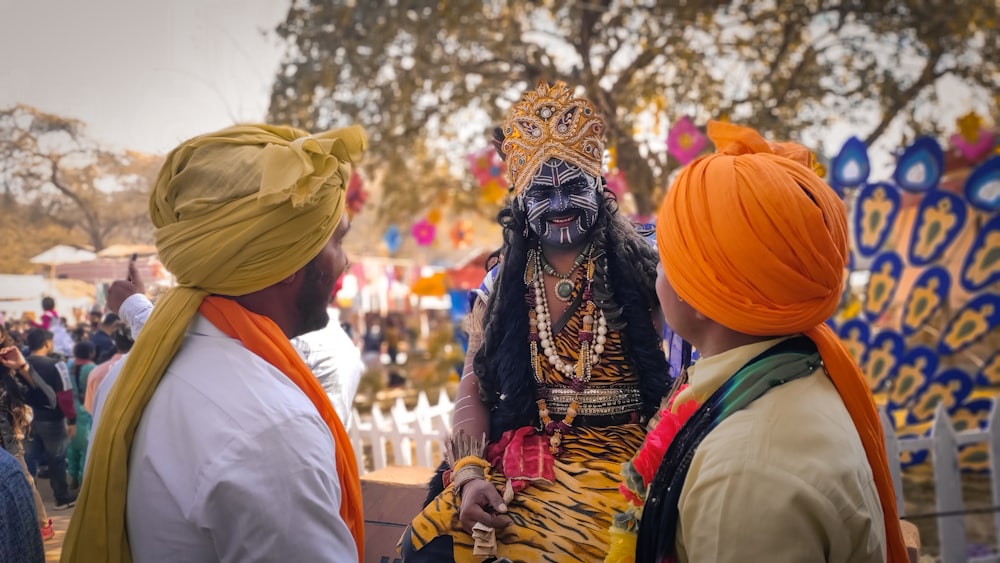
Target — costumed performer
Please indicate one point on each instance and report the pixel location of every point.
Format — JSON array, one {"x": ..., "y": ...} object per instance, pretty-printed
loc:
[{"x": 569, "y": 366}]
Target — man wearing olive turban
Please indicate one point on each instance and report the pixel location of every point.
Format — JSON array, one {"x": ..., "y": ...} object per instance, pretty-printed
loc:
[
  {"x": 784, "y": 460},
  {"x": 216, "y": 442}
]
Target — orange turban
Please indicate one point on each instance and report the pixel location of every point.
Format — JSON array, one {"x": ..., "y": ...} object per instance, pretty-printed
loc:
[{"x": 753, "y": 239}]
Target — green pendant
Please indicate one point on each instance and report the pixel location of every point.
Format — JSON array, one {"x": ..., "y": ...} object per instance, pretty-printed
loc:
[{"x": 564, "y": 290}]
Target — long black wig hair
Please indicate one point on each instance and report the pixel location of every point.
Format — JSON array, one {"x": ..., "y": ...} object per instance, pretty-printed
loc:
[{"x": 624, "y": 289}]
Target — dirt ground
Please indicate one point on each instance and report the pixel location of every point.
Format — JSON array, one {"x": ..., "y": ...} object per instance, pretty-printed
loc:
[{"x": 918, "y": 494}]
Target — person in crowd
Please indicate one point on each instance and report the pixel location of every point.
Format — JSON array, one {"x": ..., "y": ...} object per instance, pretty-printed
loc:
[
  {"x": 335, "y": 361},
  {"x": 53, "y": 426},
  {"x": 79, "y": 368},
  {"x": 371, "y": 342},
  {"x": 51, "y": 321},
  {"x": 20, "y": 539},
  {"x": 49, "y": 314},
  {"x": 122, "y": 337},
  {"x": 17, "y": 382},
  {"x": 104, "y": 348},
  {"x": 217, "y": 443},
  {"x": 784, "y": 458},
  {"x": 393, "y": 336},
  {"x": 565, "y": 369}
]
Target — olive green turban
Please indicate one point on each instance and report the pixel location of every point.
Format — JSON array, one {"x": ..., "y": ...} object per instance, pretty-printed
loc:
[{"x": 235, "y": 211}]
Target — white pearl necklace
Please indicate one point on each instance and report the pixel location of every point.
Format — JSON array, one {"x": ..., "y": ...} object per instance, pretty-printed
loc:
[{"x": 590, "y": 356}]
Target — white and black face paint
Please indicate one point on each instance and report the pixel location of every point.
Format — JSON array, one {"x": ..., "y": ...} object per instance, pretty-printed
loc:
[{"x": 561, "y": 203}]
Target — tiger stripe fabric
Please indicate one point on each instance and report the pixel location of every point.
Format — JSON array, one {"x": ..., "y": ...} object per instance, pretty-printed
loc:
[{"x": 569, "y": 519}]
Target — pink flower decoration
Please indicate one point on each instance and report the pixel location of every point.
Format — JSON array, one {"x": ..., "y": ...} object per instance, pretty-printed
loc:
[
  {"x": 424, "y": 232},
  {"x": 486, "y": 165},
  {"x": 616, "y": 183},
  {"x": 685, "y": 141},
  {"x": 647, "y": 461},
  {"x": 356, "y": 194},
  {"x": 973, "y": 151}
]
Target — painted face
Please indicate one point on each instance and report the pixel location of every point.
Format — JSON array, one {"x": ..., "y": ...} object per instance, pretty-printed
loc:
[{"x": 561, "y": 203}]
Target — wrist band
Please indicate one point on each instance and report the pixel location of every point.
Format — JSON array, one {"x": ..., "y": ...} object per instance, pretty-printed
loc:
[{"x": 467, "y": 473}]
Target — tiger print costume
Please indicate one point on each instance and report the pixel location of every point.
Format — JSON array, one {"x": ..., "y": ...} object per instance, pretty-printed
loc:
[{"x": 566, "y": 520}]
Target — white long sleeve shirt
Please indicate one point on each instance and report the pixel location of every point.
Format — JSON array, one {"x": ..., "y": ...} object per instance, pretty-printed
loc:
[
  {"x": 232, "y": 462},
  {"x": 336, "y": 363}
]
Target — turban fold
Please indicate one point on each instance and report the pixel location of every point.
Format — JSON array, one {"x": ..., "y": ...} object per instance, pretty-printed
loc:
[
  {"x": 753, "y": 239},
  {"x": 235, "y": 212}
]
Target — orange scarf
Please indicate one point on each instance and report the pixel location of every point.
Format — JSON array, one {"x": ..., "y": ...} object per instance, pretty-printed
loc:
[
  {"x": 262, "y": 337},
  {"x": 753, "y": 239}
]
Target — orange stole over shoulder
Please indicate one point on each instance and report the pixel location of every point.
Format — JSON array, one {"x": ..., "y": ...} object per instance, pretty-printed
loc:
[{"x": 262, "y": 337}]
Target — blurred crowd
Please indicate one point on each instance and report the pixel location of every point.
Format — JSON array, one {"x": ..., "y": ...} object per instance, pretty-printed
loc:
[{"x": 50, "y": 371}]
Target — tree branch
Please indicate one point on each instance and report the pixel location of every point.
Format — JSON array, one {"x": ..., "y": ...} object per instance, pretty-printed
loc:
[{"x": 903, "y": 99}]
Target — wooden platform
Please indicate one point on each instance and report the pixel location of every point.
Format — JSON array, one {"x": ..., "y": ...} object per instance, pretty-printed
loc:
[{"x": 393, "y": 496}]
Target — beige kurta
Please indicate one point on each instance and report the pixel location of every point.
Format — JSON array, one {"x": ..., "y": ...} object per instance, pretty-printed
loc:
[{"x": 785, "y": 479}]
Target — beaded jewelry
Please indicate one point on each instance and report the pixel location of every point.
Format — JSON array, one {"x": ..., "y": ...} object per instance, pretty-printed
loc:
[
  {"x": 565, "y": 285},
  {"x": 540, "y": 335}
]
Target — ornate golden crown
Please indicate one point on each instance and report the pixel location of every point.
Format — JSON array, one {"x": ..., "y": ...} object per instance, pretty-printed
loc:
[{"x": 550, "y": 123}]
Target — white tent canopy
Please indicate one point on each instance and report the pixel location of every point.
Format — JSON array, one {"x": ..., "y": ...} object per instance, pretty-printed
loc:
[
  {"x": 63, "y": 254},
  {"x": 20, "y": 294}
]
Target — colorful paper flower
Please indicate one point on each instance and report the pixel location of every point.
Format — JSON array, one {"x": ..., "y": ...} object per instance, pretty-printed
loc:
[
  {"x": 461, "y": 233},
  {"x": 685, "y": 141},
  {"x": 493, "y": 192},
  {"x": 356, "y": 194},
  {"x": 424, "y": 232},
  {"x": 434, "y": 216},
  {"x": 392, "y": 239},
  {"x": 616, "y": 183},
  {"x": 486, "y": 165},
  {"x": 974, "y": 149}
]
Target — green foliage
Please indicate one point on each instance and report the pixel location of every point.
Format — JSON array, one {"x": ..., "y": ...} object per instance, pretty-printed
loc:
[{"x": 417, "y": 72}]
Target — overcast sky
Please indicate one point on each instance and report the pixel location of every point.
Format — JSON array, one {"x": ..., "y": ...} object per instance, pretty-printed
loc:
[
  {"x": 147, "y": 74},
  {"x": 143, "y": 74}
]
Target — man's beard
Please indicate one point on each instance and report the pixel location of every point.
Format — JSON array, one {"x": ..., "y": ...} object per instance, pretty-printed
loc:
[{"x": 311, "y": 301}]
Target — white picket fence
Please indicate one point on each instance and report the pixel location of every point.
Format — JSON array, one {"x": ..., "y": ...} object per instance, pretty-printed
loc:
[
  {"x": 943, "y": 443},
  {"x": 414, "y": 437}
]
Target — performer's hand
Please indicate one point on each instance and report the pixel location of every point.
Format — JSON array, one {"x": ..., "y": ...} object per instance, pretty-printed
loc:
[
  {"x": 71, "y": 431},
  {"x": 482, "y": 503},
  {"x": 121, "y": 290}
]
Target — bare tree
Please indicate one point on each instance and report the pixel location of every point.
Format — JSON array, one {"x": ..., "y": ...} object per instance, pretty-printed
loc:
[{"x": 48, "y": 164}]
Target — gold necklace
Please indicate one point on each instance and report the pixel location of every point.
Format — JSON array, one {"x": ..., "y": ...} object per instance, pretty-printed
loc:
[{"x": 541, "y": 336}]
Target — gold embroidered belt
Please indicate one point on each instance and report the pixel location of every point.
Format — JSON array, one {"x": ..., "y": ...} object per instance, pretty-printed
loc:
[{"x": 593, "y": 401}]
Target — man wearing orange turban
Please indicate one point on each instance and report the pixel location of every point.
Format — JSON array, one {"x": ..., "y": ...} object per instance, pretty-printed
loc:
[{"x": 785, "y": 458}]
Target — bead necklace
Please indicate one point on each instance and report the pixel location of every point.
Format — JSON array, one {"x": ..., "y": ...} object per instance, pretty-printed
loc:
[
  {"x": 540, "y": 326},
  {"x": 565, "y": 286}
]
